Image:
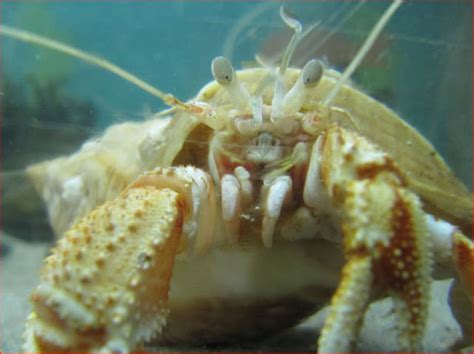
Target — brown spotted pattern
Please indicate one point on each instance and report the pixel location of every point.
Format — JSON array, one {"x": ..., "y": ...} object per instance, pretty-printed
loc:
[{"x": 384, "y": 229}]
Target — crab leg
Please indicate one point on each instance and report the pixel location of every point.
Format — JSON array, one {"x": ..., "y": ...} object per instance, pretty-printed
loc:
[
  {"x": 452, "y": 249},
  {"x": 105, "y": 285},
  {"x": 347, "y": 306},
  {"x": 463, "y": 256},
  {"x": 384, "y": 237},
  {"x": 455, "y": 253},
  {"x": 460, "y": 294}
]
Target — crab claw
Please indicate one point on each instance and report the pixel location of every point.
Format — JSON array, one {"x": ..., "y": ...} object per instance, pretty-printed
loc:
[{"x": 105, "y": 285}]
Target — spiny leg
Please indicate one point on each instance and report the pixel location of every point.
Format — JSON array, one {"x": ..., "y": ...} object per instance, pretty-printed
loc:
[
  {"x": 460, "y": 293},
  {"x": 347, "y": 305},
  {"x": 106, "y": 284},
  {"x": 454, "y": 253},
  {"x": 463, "y": 256},
  {"x": 384, "y": 237}
]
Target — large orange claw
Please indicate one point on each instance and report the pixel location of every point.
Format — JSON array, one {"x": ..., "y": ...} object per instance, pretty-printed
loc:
[{"x": 105, "y": 285}]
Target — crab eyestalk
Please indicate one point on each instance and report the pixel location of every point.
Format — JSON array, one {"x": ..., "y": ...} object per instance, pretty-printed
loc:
[
  {"x": 224, "y": 74},
  {"x": 309, "y": 78},
  {"x": 286, "y": 105}
]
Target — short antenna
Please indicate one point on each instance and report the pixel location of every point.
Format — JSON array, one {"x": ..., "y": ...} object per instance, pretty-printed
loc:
[{"x": 369, "y": 42}]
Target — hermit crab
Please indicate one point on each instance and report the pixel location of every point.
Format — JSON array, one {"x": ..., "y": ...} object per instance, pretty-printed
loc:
[{"x": 245, "y": 210}]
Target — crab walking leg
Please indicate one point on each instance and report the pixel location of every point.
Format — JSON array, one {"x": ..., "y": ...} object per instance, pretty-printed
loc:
[
  {"x": 455, "y": 252},
  {"x": 452, "y": 249},
  {"x": 460, "y": 294},
  {"x": 105, "y": 286},
  {"x": 463, "y": 256},
  {"x": 384, "y": 238},
  {"x": 347, "y": 305}
]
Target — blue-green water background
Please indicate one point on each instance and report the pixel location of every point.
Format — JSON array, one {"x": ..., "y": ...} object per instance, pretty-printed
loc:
[{"x": 171, "y": 45}]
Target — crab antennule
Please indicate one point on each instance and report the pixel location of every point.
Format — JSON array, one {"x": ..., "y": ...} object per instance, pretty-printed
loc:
[
  {"x": 296, "y": 26},
  {"x": 277, "y": 101},
  {"x": 279, "y": 91},
  {"x": 369, "y": 42}
]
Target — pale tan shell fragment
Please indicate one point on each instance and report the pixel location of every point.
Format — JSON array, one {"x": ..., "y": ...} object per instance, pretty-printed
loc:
[
  {"x": 106, "y": 284},
  {"x": 74, "y": 185}
]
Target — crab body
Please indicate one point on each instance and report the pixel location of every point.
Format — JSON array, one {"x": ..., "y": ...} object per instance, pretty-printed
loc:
[
  {"x": 251, "y": 207},
  {"x": 269, "y": 221}
]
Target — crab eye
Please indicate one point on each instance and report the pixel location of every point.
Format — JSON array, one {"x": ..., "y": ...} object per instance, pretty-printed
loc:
[
  {"x": 222, "y": 70},
  {"x": 312, "y": 72}
]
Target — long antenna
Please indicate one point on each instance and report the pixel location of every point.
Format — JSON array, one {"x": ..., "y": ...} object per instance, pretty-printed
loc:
[
  {"x": 369, "y": 42},
  {"x": 29, "y": 37}
]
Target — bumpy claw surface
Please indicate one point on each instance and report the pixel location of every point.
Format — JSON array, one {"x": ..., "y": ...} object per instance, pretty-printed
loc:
[
  {"x": 105, "y": 286},
  {"x": 385, "y": 241}
]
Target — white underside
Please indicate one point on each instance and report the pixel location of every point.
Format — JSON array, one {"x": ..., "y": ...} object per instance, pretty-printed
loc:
[
  {"x": 252, "y": 270},
  {"x": 244, "y": 291}
]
